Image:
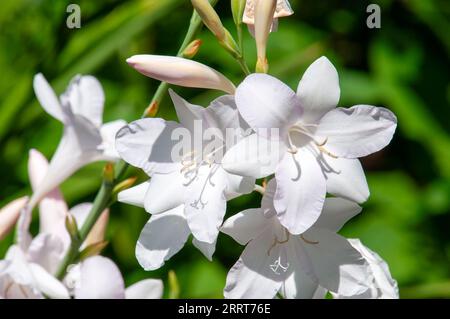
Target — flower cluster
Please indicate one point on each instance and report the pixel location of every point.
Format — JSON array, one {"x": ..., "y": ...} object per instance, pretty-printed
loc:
[
  {"x": 30, "y": 266},
  {"x": 300, "y": 142},
  {"x": 301, "y": 146}
]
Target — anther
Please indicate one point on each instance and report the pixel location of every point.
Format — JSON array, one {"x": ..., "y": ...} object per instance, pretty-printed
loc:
[{"x": 308, "y": 241}]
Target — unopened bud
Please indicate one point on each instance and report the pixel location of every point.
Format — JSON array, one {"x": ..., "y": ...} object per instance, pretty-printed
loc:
[
  {"x": 174, "y": 286},
  {"x": 209, "y": 17},
  {"x": 180, "y": 71},
  {"x": 152, "y": 109},
  {"x": 93, "y": 250},
  {"x": 108, "y": 173},
  {"x": 72, "y": 227},
  {"x": 230, "y": 45},
  {"x": 237, "y": 8},
  {"x": 10, "y": 214},
  {"x": 97, "y": 233},
  {"x": 125, "y": 184},
  {"x": 192, "y": 49}
]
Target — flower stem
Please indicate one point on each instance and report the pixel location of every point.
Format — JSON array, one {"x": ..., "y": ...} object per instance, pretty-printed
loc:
[
  {"x": 243, "y": 65},
  {"x": 104, "y": 195}
]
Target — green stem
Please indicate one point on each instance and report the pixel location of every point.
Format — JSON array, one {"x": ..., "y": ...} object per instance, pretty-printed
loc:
[
  {"x": 243, "y": 65},
  {"x": 104, "y": 195}
]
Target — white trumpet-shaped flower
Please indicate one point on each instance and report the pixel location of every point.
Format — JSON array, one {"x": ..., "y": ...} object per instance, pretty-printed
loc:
[
  {"x": 85, "y": 139},
  {"x": 187, "y": 193},
  {"x": 317, "y": 144},
  {"x": 296, "y": 266},
  {"x": 180, "y": 71}
]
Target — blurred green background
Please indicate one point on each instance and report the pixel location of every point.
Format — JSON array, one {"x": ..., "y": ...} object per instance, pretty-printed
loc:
[{"x": 403, "y": 66}]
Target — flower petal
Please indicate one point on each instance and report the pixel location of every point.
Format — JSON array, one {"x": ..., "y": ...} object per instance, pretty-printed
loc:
[
  {"x": 180, "y": 71},
  {"x": 165, "y": 191},
  {"x": 47, "y": 97},
  {"x": 135, "y": 195},
  {"x": 257, "y": 274},
  {"x": 223, "y": 114},
  {"x": 336, "y": 212},
  {"x": 207, "y": 249},
  {"x": 383, "y": 281},
  {"x": 86, "y": 98},
  {"x": 302, "y": 283},
  {"x": 148, "y": 144},
  {"x": 145, "y": 289},
  {"x": 46, "y": 250},
  {"x": 338, "y": 266},
  {"x": 77, "y": 148},
  {"x": 267, "y": 103},
  {"x": 108, "y": 132},
  {"x": 206, "y": 203},
  {"x": 318, "y": 90},
  {"x": 246, "y": 225},
  {"x": 100, "y": 279},
  {"x": 345, "y": 178},
  {"x": 357, "y": 131},
  {"x": 254, "y": 156},
  {"x": 161, "y": 238},
  {"x": 48, "y": 284},
  {"x": 52, "y": 208},
  {"x": 238, "y": 185},
  {"x": 300, "y": 193}
]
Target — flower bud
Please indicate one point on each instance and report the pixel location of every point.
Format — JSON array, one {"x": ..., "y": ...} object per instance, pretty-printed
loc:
[
  {"x": 237, "y": 8},
  {"x": 152, "y": 109},
  {"x": 209, "y": 17},
  {"x": 174, "y": 286},
  {"x": 264, "y": 12},
  {"x": 97, "y": 233},
  {"x": 124, "y": 185},
  {"x": 180, "y": 71},
  {"x": 108, "y": 173},
  {"x": 10, "y": 214},
  {"x": 93, "y": 250},
  {"x": 191, "y": 50},
  {"x": 72, "y": 227}
]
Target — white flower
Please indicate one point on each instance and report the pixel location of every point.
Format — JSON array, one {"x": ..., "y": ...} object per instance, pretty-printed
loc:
[
  {"x": 318, "y": 143},
  {"x": 180, "y": 71},
  {"x": 187, "y": 194},
  {"x": 381, "y": 284},
  {"x": 84, "y": 139},
  {"x": 99, "y": 278},
  {"x": 296, "y": 266}
]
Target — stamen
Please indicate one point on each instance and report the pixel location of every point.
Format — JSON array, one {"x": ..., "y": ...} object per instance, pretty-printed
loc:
[
  {"x": 322, "y": 149},
  {"x": 277, "y": 241},
  {"x": 308, "y": 241}
]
